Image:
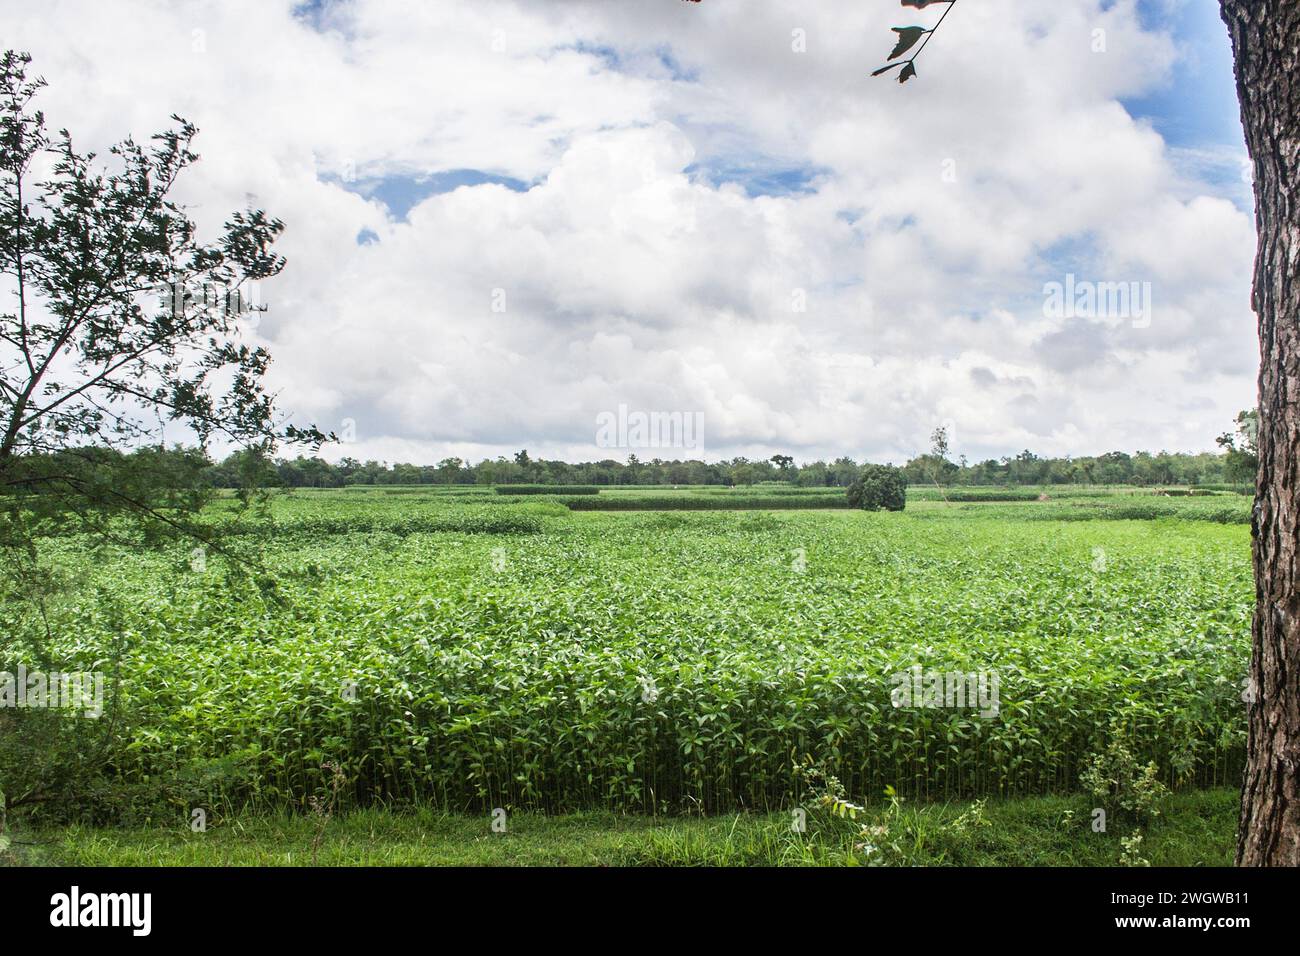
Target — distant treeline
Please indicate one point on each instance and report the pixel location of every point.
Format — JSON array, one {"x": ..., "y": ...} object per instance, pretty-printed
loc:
[
  {"x": 188, "y": 466},
  {"x": 1113, "y": 468}
]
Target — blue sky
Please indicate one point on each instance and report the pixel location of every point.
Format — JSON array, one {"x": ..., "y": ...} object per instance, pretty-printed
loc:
[
  {"x": 399, "y": 192},
  {"x": 1198, "y": 106}
]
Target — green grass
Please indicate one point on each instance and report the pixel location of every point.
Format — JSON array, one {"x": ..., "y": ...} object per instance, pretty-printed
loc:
[{"x": 1194, "y": 829}]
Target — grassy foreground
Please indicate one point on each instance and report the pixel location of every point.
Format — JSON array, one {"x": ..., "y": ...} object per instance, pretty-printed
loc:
[{"x": 1195, "y": 828}]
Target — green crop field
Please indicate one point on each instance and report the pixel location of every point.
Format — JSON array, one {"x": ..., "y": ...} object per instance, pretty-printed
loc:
[{"x": 476, "y": 651}]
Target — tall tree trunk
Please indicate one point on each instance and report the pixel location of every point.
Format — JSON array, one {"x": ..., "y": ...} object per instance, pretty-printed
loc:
[{"x": 1266, "y": 47}]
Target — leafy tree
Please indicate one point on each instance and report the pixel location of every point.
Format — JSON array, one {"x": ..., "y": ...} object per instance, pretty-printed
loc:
[
  {"x": 120, "y": 320},
  {"x": 1241, "y": 447},
  {"x": 449, "y": 470},
  {"x": 877, "y": 488},
  {"x": 117, "y": 306},
  {"x": 939, "y": 443}
]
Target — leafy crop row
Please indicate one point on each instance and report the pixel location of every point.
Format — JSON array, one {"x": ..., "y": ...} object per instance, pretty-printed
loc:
[
  {"x": 547, "y": 490},
  {"x": 674, "y": 662},
  {"x": 689, "y": 502}
]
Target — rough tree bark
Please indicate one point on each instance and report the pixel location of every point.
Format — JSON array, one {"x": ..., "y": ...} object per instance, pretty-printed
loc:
[{"x": 1266, "y": 47}]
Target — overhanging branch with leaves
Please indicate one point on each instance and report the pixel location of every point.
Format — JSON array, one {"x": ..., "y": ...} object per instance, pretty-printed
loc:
[{"x": 908, "y": 37}]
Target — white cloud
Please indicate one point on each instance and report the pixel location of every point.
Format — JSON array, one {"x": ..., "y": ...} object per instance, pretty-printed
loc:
[{"x": 930, "y": 217}]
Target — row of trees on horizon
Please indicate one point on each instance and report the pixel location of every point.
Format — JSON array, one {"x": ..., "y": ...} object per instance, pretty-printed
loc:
[
  {"x": 1112, "y": 468},
  {"x": 186, "y": 466},
  {"x": 1236, "y": 464},
  {"x": 1233, "y": 466}
]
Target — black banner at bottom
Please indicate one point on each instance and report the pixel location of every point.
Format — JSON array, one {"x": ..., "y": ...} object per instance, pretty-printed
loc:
[{"x": 336, "y": 906}]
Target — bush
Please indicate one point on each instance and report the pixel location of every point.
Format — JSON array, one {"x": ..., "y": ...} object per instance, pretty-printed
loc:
[{"x": 879, "y": 487}]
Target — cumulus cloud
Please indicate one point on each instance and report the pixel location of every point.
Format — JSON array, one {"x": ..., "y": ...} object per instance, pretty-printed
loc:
[{"x": 686, "y": 207}]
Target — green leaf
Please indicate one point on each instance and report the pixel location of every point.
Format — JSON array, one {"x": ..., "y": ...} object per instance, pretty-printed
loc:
[{"x": 907, "y": 38}]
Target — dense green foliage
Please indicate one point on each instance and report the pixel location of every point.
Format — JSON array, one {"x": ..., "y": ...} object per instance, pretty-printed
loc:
[
  {"x": 465, "y": 519},
  {"x": 668, "y": 501},
  {"x": 878, "y": 488},
  {"x": 649, "y": 661},
  {"x": 1205, "y": 471},
  {"x": 1113, "y": 468},
  {"x": 548, "y": 490}
]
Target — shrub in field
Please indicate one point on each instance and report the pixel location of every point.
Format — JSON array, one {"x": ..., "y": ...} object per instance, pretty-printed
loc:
[
  {"x": 878, "y": 488},
  {"x": 1116, "y": 776},
  {"x": 1120, "y": 782},
  {"x": 892, "y": 835}
]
